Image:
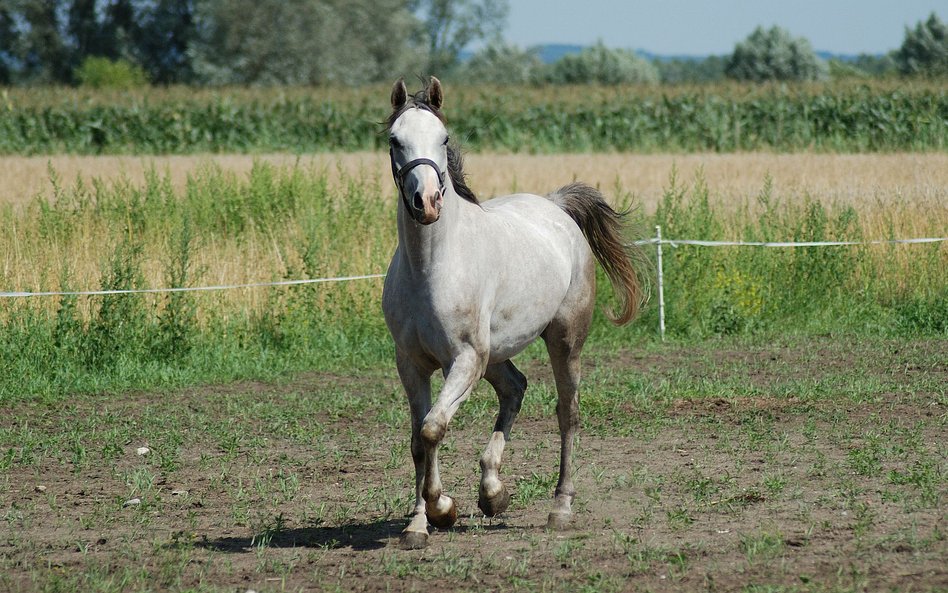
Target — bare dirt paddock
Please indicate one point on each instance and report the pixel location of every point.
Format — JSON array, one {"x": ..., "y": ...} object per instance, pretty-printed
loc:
[{"x": 804, "y": 465}]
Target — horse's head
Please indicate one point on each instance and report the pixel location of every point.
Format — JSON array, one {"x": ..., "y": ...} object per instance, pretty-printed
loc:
[{"x": 419, "y": 149}]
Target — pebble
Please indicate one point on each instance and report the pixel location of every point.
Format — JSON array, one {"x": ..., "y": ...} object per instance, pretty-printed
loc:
[
  {"x": 132, "y": 502},
  {"x": 143, "y": 451},
  {"x": 41, "y": 488},
  {"x": 178, "y": 492}
]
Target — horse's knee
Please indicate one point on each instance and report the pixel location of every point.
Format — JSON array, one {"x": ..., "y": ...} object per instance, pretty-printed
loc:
[{"x": 432, "y": 430}]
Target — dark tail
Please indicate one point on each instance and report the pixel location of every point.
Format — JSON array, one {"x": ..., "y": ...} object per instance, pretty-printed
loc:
[{"x": 603, "y": 227}]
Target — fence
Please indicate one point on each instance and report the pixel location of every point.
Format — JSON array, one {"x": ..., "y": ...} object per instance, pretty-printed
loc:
[{"x": 658, "y": 241}]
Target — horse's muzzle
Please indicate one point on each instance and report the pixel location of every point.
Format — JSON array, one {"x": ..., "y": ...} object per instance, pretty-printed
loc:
[{"x": 426, "y": 208}]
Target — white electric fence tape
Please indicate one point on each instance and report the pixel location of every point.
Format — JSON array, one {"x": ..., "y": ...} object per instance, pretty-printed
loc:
[
  {"x": 190, "y": 288},
  {"x": 677, "y": 242},
  {"x": 657, "y": 241}
]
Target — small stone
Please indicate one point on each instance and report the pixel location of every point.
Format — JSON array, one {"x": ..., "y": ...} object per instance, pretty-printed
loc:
[
  {"x": 133, "y": 502},
  {"x": 178, "y": 492},
  {"x": 142, "y": 451},
  {"x": 41, "y": 488}
]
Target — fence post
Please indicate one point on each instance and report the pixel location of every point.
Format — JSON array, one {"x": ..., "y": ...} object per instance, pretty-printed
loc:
[{"x": 661, "y": 287}]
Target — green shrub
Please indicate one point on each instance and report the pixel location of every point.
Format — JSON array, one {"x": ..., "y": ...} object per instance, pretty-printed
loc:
[
  {"x": 602, "y": 65},
  {"x": 103, "y": 73}
]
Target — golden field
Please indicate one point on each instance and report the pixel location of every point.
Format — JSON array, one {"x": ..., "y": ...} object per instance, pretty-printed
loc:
[
  {"x": 895, "y": 195},
  {"x": 863, "y": 180}
]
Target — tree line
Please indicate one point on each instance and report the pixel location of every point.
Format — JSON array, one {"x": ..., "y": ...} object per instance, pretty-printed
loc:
[{"x": 350, "y": 42}]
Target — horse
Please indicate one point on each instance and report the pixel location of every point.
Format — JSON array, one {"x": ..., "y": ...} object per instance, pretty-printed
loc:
[{"x": 472, "y": 284}]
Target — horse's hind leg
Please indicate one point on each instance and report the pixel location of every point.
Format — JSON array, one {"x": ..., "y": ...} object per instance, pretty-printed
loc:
[
  {"x": 510, "y": 385},
  {"x": 564, "y": 341}
]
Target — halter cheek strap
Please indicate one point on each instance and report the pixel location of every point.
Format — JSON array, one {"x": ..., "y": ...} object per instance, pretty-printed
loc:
[{"x": 399, "y": 174}]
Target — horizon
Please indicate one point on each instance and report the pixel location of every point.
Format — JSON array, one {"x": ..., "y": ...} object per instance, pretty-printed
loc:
[{"x": 840, "y": 27}]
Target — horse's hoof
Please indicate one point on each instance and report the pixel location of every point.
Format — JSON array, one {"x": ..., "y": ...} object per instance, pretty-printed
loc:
[
  {"x": 558, "y": 521},
  {"x": 413, "y": 540},
  {"x": 446, "y": 519},
  {"x": 492, "y": 506}
]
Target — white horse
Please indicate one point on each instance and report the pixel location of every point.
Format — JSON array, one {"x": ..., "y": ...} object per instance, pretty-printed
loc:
[{"x": 471, "y": 285}]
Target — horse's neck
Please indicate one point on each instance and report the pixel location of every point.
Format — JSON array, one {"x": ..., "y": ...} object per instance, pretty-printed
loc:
[{"x": 422, "y": 246}]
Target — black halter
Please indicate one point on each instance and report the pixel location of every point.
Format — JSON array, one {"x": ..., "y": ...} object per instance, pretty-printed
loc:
[{"x": 399, "y": 175}]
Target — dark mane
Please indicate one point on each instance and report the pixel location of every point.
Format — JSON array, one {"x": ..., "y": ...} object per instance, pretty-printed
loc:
[{"x": 455, "y": 161}]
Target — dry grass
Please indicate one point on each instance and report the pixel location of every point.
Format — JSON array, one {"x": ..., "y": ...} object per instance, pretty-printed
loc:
[
  {"x": 901, "y": 194},
  {"x": 855, "y": 179}
]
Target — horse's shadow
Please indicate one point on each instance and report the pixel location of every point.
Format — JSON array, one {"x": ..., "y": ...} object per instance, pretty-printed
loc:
[{"x": 357, "y": 536}]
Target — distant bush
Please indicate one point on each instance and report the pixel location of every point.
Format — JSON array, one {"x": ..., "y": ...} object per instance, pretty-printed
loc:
[
  {"x": 679, "y": 71},
  {"x": 601, "y": 65},
  {"x": 103, "y": 73},
  {"x": 500, "y": 63},
  {"x": 773, "y": 54},
  {"x": 925, "y": 49}
]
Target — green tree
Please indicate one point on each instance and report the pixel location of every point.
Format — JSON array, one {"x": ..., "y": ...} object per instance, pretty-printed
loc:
[
  {"x": 86, "y": 30},
  {"x": 924, "y": 50},
  {"x": 602, "y": 65},
  {"x": 269, "y": 42},
  {"x": 501, "y": 63},
  {"x": 773, "y": 54},
  {"x": 166, "y": 30},
  {"x": 452, "y": 25},
  {"x": 44, "y": 54},
  {"x": 9, "y": 39}
]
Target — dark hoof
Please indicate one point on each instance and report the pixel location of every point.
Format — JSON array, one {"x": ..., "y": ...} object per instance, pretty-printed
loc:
[
  {"x": 558, "y": 521},
  {"x": 446, "y": 520},
  {"x": 413, "y": 540},
  {"x": 494, "y": 506}
]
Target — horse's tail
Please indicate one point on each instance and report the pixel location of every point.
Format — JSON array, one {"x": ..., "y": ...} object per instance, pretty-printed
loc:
[{"x": 603, "y": 227}]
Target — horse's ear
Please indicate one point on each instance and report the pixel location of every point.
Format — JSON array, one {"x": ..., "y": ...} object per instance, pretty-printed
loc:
[
  {"x": 399, "y": 94},
  {"x": 435, "y": 94}
]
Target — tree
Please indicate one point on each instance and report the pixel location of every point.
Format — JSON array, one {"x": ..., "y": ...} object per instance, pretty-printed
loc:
[
  {"x": 452, "y": 25},
  {"x": 165, "y": 32},
  {"x": 85, "y": 29},
  {"x": 501, "y": 63},
  {"x": 773, "y": 54},
  {"x": 9, "y": 39},
  {"x": 43, "y": 52},
  {"x": 602, "y": 65},
  {"x": 924, "y": 50},
  {"x": 269, "y": 42}
]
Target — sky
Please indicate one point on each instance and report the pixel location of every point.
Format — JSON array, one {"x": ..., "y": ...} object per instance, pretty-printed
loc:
[{"x": 702, "y": 27}]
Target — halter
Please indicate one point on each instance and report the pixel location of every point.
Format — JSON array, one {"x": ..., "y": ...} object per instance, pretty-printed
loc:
[{"x": 399, "y": 174}]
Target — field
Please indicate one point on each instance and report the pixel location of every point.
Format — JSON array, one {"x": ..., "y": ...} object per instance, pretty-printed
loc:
[
  {"x": 833, "y": 117},
  {"x": 812, "y": 464},
  {"x": 790, "y": 435}
]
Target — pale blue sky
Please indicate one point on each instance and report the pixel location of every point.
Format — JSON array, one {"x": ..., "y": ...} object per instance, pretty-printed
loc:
[{"x": 699, "y": 27}]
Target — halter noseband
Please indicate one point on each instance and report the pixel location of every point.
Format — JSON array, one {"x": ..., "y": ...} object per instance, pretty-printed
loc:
[{"x": 399, "y": 174}]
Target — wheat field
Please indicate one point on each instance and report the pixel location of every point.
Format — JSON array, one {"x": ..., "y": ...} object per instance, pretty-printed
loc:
[
  {"x": 895, "y": 195},
  {"x": 863, "y": 180}
]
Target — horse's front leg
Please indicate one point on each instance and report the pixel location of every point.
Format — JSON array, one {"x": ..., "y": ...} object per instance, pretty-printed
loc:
[
  {"x": 466, "y": 370},
  {"x": 417, "y": 383}
]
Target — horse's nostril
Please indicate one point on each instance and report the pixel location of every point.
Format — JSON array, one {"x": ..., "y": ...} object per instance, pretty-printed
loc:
[{"x": 417, "y": 202}]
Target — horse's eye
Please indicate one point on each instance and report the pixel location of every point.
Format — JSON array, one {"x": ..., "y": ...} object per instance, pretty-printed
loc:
[
  {"x": 393, "y": 141},
  {"x": 445, "y": 143}
]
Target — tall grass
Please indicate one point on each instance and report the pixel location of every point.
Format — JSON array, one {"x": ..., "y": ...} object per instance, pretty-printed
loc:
[
  {"x": 832, "y": 117},
  {"x": 291, "y": 222}
]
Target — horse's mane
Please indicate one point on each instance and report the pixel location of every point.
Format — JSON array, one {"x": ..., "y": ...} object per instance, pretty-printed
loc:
[{"x": 455, "y": 161}]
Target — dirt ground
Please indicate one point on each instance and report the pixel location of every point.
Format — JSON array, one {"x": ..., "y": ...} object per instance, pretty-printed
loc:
[{"x": 803, "y": 466}]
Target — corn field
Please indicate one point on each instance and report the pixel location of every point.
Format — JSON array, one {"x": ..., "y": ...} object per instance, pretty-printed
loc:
[{"x": 828, "y": 118}]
